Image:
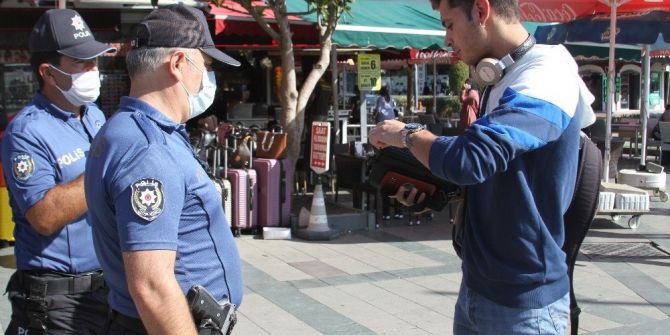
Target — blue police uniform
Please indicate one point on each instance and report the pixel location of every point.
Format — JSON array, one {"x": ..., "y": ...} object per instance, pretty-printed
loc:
[
  {"x": 45, "y": 146},
  {"x": 147, "y": 191}
]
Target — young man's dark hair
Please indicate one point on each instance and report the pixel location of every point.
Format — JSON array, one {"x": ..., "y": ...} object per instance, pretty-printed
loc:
[{"x": 505, "y": 8}]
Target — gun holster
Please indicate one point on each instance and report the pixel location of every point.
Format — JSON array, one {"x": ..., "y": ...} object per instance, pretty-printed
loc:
[{"x": 210, "y": 316}]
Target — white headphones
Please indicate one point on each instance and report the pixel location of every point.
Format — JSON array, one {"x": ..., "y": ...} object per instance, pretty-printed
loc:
[{"x": 489, "y": 71}]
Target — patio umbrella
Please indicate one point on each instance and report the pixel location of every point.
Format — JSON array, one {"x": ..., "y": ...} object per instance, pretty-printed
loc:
[
  {"x": 565, "y": 11},
  {"x": 648, "y": 30}
]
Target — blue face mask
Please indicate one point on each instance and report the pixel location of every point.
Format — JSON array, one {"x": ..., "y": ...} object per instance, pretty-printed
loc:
[{"x": 200, "y": 101}]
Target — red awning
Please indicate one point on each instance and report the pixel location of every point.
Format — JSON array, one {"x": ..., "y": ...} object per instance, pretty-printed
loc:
[
  {"x": 234, "y": 25},
  {"x": 564, "y": 11}
]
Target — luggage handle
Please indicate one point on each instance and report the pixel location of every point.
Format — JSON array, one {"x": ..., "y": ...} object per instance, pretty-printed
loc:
[
  {"x": 225, "y": 158},
  {"x": 274, "y": 130},
  {"x": 265, "y": 145},
  {"x": 250, "y": 198},
  {"x": 250, "y": 194}
]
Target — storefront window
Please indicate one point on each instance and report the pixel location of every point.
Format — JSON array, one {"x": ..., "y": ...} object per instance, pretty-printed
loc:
[{"x": 18, "y": 87}]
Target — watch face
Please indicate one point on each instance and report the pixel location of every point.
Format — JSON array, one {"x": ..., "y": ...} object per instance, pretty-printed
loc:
[{"x": 412, "y": 126}]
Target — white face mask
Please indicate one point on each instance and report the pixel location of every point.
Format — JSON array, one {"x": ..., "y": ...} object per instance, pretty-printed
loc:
[
  {"x": 199, "y": 102},
  {"x": 85, "y": 87}
]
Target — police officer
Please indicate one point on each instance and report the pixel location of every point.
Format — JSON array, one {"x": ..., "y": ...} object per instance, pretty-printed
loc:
[
  {"x": 158, "y": 223},
  {"x": 58, "y": 286}
]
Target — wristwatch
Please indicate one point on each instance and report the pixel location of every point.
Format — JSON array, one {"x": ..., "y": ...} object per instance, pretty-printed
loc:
[{"x": 410, "y": 129}]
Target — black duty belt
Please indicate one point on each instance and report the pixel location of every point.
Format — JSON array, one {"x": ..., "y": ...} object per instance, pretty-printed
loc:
[
  {"x": 127, "y": 322},
  {"x": 52, "y": 283}
]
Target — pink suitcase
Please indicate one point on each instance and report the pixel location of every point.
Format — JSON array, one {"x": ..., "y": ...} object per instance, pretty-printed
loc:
[
  {"x": 245, "y": 200},
  {"x": 223, "y": 185},
  {"x": 274, "y": 192}
]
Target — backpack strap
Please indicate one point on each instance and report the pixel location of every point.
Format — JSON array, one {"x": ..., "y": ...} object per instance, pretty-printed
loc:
[{"x": 577, "y": 219}]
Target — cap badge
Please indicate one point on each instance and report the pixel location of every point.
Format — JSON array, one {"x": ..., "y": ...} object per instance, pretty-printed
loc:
[
  {"x": 80, "y": 28},
  {"x": 77, "y": 22}
]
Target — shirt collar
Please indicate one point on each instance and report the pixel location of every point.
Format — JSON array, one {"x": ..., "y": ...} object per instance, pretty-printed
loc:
[
  {"x": 43, "y": 102},
  {"x": 138, "y": 105}
]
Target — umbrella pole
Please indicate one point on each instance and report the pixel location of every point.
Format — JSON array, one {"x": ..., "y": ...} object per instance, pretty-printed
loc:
[
  {"x": 336, "y": 98},
  {"x": 435, "y": 86},
  {"x": 611, "y": 71},
  {"x": 644, "y": 112}
]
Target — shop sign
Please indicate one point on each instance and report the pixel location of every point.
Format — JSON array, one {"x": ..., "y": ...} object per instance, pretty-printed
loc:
[
  {"x": 369, "y": 72},
  {"x": 14, "y": 56},
  {"x": 617, "y": 86},
  {"x": 320, "y": 147},
  {"x": 432, "y": 56}
]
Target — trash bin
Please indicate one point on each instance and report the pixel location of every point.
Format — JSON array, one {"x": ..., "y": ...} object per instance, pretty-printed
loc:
[{"x": 6, "y": 223}]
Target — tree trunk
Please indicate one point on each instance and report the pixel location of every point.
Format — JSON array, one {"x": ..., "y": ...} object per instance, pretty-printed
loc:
[{"x": 293, "y": 102}]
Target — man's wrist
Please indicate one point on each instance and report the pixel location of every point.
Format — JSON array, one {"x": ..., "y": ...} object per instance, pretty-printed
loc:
[
  {"x": 407, "y": 132},
  {"x": 409, "y": 139}
]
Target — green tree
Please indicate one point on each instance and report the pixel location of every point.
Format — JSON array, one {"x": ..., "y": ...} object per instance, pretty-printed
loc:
[
  {"x": 457, "y": 75},
  {"x": 293, "y": 99}
]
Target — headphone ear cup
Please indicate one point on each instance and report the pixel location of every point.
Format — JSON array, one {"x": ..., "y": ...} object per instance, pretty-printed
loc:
[{"x": 488, "y": 71}]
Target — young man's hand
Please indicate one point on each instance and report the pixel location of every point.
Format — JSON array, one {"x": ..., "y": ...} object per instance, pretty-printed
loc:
[
  {"x": 408, "y": 195},
  {"x": 386, "y": 133}
]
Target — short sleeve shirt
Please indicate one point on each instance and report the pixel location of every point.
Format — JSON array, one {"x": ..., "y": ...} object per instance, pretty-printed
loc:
[
  {"x": 147, "y": 191},
  {"x": 45, "y": 146}
]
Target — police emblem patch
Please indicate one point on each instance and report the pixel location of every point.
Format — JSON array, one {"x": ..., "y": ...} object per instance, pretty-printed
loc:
[
  {"x": 147, "y": 198},
  {"x": 22, "y": 166}
]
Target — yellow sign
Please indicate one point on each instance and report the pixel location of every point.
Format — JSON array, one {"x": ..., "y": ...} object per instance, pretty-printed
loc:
[{"x": 369, "y": 72}]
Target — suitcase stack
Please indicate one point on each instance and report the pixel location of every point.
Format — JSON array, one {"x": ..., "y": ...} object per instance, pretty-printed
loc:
[
  {"x": 274, "y": 191},
  {"x": 245, "y": 200}
]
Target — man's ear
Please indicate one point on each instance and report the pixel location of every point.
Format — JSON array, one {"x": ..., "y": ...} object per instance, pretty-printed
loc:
[
  {"x": 45, "y": 71},
  {"x": 481, "y": 11},
  {"x": 175, "y": 64}
]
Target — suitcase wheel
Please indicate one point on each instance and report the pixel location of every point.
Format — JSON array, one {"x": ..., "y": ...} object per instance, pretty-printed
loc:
[{"x": 634, "y": 222}]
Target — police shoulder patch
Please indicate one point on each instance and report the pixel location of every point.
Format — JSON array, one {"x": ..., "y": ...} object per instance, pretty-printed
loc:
[
  {"x": 147, "y": 198},
  {"x": 22, "y": 166}
]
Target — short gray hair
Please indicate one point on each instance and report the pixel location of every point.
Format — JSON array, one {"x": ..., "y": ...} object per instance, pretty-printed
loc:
[{"x": 147, "y": 59}]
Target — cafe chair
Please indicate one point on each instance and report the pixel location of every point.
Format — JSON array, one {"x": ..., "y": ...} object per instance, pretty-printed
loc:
[
  {"x": 351, "y": 174},
  {"x": 665, "y": 138},
  {"x": 653, "y": 143}
]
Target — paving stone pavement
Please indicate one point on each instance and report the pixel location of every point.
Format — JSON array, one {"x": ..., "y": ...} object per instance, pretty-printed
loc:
[{"x": 404, "y": 280}]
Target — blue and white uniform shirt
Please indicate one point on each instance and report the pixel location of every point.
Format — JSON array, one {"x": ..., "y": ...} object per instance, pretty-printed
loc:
[
  {"x": 147, "y": 191},
  {"x": 45, "y": 146}
]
